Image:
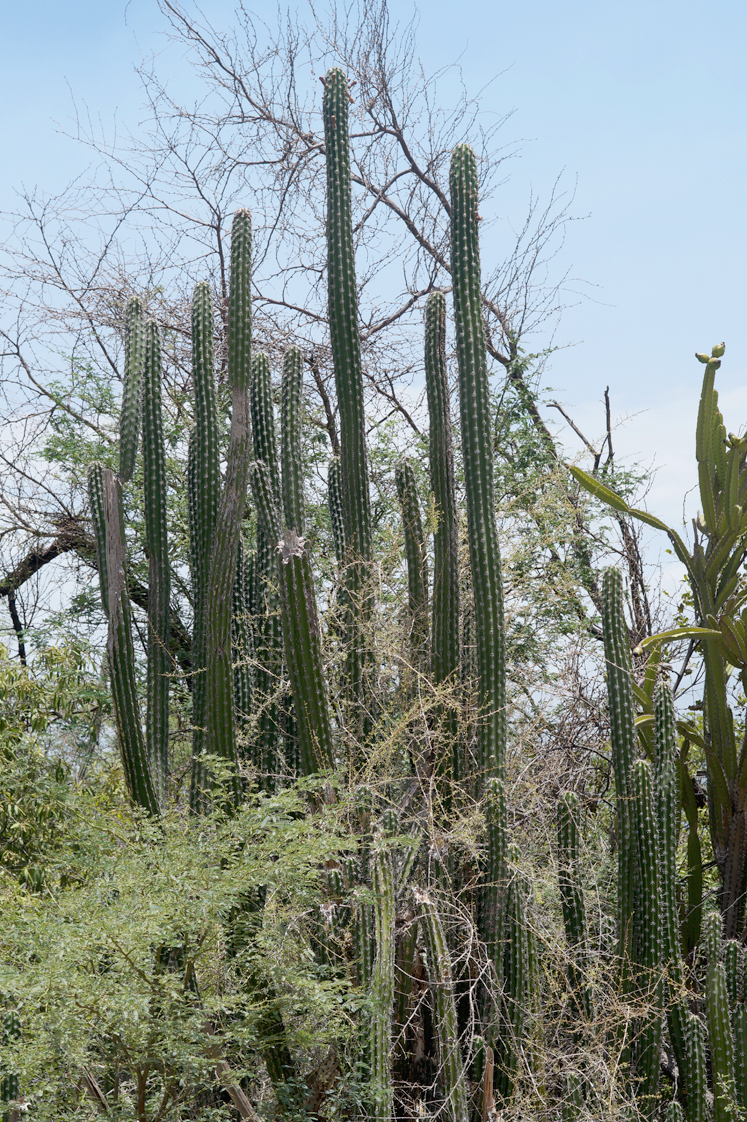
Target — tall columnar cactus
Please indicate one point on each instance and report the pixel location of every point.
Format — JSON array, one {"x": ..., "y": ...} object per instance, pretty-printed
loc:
[
  {"x": 451, "y": 1072},
  {"x": 415, "y": 556},
  {"x": 346, "y": 355},
  {"x": 301, "y": 635},
  {"x": 242, "y": 637},
  {"x": 739, "y": 1023},
  {"x": 218, "y": 602},
  {"x": 129, "y": 420},
  {"x": 668, "y": 810},
  {"x": 518, "y": 987},
  {"x": 573, "y": 1098},
  {"x": 697, "y": 1108},
  {"x": 204, "y": 479},
  {"x": 720, "y": 1038},
  {"x": 382, "y": 987},
  {"x": 445, "y": 623},
  {"x": 477, "y": 447},
  {"x": 334, "y": 501},
  {"x": 269, "y": 639},
  {"x": 572, "y": 900},
  {"x": 10, "y": 1084},
  {"x": 290, "y": 438},
  {"x": 135, "y": 756},
  {"x": 622, "y": 728},
  {"x": 156, "y": 543},
  {"x": 650, "y": 938},
  {"x": 96, "y": 507}
]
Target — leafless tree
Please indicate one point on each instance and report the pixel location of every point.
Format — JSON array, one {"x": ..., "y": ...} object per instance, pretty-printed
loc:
[{"x": 152, "y": 214}]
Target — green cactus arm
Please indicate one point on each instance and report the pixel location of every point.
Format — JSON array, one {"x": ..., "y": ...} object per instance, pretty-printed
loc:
[
  {"x": 334, "y": 501},
  {"x": 451, "y": 1075},
  {"x": 622, "y": 728},
  {"x": 263, "y": 420},
  {"x": 650, "y": 951},
  {"x": 382, "y": 988},
  {"x": 346, "y": 357},
  {"x": 129, "y": 421},
  {"x": 675, "y": 1112},
  {"x": 517, "y": 989},
  {"x": 734, "y": 964},
  {"x": 445, "y": 620},
  {"x": 269, "y": 637},
  {"x": 204, "y": 483},
  {"x": 219, "y": 710},
  {"x": 491, "y": 903},
  {"x": 572, "y": 901},
  {"x": 668, "y": 811},
  {"x": 740, "y": 1055},
  {"x": 343, "y": 318},
  {"x": 478, "y": 460},
  {"x": 301, "y": 633},
  {"x": 697, "y": 1107},
  {"x": 96, "y": 507},
  {"x": 573, "y": 1097},
  {"x": 721, "y": 1043},
  {"x": 712, "y": 935},
  {"x": 477, "y": 449},
  {"x": 415, "y": 555},
  {"x": 290, "y": 431},
  {"x": 135, "y": 756},
  {"x": 159, "y": 578},
  {"x": 242, "y": 637}
]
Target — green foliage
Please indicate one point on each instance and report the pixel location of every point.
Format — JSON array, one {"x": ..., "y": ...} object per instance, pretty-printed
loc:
[{"x": 95, "y": 998}]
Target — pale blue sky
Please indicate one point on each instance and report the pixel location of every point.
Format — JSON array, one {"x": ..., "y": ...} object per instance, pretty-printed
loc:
[{"x": 642, "y": 104}]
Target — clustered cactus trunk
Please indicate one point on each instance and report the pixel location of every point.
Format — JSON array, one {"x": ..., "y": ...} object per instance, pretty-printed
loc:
[{"x": 257, "y": 635}]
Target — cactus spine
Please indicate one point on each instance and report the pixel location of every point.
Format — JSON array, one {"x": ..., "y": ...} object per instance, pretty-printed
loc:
[
  {"x": 572, "y": 900},
  {"x": 649, "y": 930},
  {"x": 224, "y": 546},
  {"x": 415, "y": 556},
  {"x": 382, "y": 987},
  {"x": 451, "y": 1074},
  {"x": 620, "y": 695},
  {"x": 346, "y": 355},
  {"x": 668, "y": 818},
  {"x": 204, "y": 479},
  {"x": 156, "y": 540},
  {"x": 129, "y": 420}
]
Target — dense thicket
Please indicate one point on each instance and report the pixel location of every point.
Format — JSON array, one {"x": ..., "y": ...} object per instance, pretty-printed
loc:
[{"x": 372, "y": 805}]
